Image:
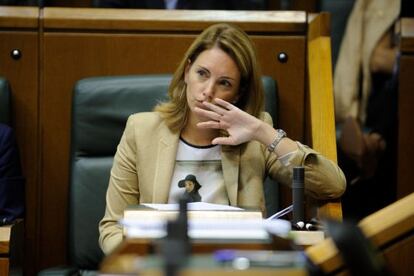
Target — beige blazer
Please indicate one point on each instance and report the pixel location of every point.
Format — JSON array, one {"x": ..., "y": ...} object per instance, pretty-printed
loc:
[
  {"x": 145, "y": 159},
  {"x": 367, "y": 23}
]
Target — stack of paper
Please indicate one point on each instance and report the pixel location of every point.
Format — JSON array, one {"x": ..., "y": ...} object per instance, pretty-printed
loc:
[{"x": 206, "y": 221}]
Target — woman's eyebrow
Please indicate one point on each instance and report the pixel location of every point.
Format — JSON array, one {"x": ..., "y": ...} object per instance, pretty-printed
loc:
[
  {"x": 226, "y": 77},
  {"x": 204, "y": 68},
  {"x": 222, "y": 77}
]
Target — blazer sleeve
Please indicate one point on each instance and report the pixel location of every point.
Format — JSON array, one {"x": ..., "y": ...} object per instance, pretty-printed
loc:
[
  {"x": 323, "y": 177},
  {"x": 122, "y": 189}
]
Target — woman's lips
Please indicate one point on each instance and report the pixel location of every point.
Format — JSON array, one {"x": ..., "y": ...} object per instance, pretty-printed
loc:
[{"x": 200, "y": 105}]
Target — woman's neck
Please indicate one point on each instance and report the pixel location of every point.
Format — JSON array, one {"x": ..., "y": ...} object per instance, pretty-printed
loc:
[{"x": 197, "y": 136}]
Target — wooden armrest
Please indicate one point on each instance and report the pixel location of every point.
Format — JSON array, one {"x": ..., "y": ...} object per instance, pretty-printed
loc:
[
  {"x": 388, "y": 229},
  {"x": 11, "y": 246},
  {"x": 320, "y": 124}
]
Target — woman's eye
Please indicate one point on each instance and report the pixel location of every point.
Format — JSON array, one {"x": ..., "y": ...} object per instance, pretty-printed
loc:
[
  {"x": 201, "y": 73},
  {"x": 225, "y": 83}
]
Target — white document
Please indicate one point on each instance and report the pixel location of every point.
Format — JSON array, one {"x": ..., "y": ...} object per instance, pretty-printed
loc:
[{"x": 210, "y": 229}]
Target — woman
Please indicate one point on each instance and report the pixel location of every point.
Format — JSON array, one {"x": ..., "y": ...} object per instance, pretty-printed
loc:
[{"x": 214, "y": 128}]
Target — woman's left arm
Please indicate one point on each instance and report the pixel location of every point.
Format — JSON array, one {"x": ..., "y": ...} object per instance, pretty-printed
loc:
[{"x": 324, "y": 179}]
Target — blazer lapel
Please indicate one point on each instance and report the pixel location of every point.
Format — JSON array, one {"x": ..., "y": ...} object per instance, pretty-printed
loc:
[
  {"x": 167, "y": 152},
  {"x": 230, "y": 159}
]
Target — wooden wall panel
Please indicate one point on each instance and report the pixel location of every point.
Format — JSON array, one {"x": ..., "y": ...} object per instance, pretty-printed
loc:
[
  {"x": 405, "y": 127},
  {"x": 23, "y": 76},
  {"x": 4, "y": 266},
  {"x": 68, "y": 57},
  {"x": 405, "y": 106},
  {"x": 290, "y": 77}
]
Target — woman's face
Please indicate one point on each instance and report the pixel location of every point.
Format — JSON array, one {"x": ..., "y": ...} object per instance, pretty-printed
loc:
[{"x": 214, "y": 74}]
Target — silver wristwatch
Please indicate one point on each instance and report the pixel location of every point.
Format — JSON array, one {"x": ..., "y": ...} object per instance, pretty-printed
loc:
[{"x": 280, "y": 134}]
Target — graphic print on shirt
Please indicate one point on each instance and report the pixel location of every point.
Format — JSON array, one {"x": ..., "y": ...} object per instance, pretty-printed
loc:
[
  {"x": 191, "y": 186},
  {"x": 204, "y": 166}
]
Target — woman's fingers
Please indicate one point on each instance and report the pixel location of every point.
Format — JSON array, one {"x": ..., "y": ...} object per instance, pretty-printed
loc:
[
  {"x": 214, "y": 124},
  {"x": 223, "y": 141},
  {"x": 216, "y": 108},
  {"x": 223, "y": 104},
  {"x": 208, "y": 114},
  {"x": 209, "y": 124}
]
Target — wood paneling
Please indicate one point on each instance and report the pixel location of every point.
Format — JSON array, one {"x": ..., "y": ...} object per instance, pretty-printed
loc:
[
  {"x": 4, "y": 266},
  {"x": 171, "y": 20},
  {"x": 23, "y": 75},
  {"x": 68, "y": 57},
  {"x": 405, "y": 126},
  {"x": 19, "y": 17},
  {"x": 405, "y": 105},
  {"x": 407, "y": 35}
]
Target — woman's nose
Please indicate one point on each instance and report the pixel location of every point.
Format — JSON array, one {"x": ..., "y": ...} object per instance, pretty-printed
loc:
[{"x": 208, "y": 91}]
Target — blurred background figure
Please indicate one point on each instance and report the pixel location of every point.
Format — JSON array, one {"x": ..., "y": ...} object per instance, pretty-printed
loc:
[
  {"x": 366, "y": 99},
  {"x": 11, "y": 179},
  {"x": 183, "y": 4},
  {"x": 19, "y": 2}
]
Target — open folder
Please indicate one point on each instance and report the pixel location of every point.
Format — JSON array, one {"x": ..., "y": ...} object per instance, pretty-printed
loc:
[{"x": 205, "y": 221}]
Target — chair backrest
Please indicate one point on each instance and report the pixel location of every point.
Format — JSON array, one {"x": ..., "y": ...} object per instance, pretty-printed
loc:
[
  {"x": 100, "y": 109},
  {"x": 5, "y": 108}
]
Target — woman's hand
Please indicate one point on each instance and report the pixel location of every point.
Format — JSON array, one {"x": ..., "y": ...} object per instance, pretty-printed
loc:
[{"x": 241, "y": 126}]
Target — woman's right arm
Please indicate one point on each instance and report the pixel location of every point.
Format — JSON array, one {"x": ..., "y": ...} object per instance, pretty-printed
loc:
[{"x": 122, "y": 190}]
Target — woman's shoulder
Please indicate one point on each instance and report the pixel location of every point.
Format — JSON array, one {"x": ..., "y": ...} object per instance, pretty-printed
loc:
[
  {"x": 145, "y": 123},
  {"x": 146, "y": 118}
]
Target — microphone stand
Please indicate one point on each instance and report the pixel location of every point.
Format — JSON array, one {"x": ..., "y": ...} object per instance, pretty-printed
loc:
[{"x": 176, "y": 247}]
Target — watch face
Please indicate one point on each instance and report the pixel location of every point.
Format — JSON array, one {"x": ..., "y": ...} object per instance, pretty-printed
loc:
[{"x": 280, "y": 134}]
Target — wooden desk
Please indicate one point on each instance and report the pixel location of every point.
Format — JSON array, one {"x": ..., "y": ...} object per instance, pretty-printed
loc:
[
  {"x": 11, "y": 247},
  {"x": 197, "y": 265},
  {"x": 125, "y": 256},
  {"x": 390, "y": 229},
  {"x": 5, "y": 233}
]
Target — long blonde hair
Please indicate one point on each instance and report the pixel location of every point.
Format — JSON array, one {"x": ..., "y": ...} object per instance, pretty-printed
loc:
[{"x": 236, "y": 43}]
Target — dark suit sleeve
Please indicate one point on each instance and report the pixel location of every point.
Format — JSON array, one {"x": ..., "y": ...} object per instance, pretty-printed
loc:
[
  {"x": 131, "y": 4},
  {"x": 12, "y": 193}
]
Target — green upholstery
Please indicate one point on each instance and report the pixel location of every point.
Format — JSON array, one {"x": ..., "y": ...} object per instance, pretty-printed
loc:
[
  {"x": 101, "y": 107},
  {"x": 5, "y": 104}
]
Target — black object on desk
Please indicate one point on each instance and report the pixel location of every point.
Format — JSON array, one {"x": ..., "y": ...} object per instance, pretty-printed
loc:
[
  {"x": 175, "y": 248},
  {"x": 298, "y": 185}
]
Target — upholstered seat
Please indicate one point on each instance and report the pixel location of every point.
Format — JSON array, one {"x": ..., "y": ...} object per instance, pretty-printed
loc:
[{"x": 100, "y": 109}]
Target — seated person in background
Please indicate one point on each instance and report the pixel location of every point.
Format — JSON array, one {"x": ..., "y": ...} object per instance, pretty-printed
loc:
[
  {"x": 19, "y": 2},
  {"x": 12, "y": 195},
  {"x": 213, "y": 127},
  {"x": 366, "y": 101},
  {"x": 183, "y": 4}
]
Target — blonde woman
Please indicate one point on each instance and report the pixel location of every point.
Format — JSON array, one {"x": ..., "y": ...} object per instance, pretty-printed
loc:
[{"x": 213, "y": 127}]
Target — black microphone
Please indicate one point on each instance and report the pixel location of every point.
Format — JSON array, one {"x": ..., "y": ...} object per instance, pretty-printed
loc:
[{"x": 298, "y": 185}]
